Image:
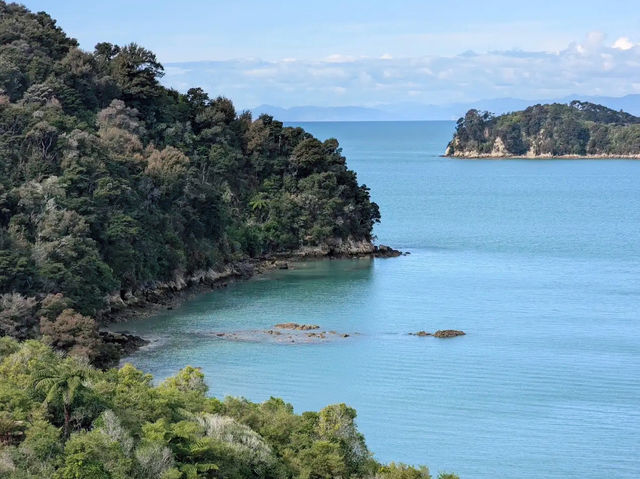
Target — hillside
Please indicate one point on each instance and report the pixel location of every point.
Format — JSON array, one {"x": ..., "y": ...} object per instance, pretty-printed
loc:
[
  {"x": 110, "y": 182},
  {"x": 579, "y": 129}
]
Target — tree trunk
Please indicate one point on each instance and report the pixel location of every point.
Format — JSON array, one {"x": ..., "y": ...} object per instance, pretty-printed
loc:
[{"x": 67, "y": 420}]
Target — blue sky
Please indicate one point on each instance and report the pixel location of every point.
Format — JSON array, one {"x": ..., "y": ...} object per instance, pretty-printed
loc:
[{"x": 370, "y": 52}]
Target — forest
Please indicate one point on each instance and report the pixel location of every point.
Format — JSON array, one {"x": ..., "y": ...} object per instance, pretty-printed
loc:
[
  {"x": 579, "y": 129},
  {"x": 110, "y": 181}
]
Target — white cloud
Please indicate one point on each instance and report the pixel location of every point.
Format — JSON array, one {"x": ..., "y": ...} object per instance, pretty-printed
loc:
[
  {"x": 589, "y": 67},
  {"x": 623, "y": 43}
]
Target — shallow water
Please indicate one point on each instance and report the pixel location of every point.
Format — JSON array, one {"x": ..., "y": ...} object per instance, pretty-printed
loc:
[{"x": 538, "y": 261}]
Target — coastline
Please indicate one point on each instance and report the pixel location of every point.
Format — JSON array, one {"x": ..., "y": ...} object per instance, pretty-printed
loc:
[
  {"x": 157, "y": 296},
  {"x": 493, "y": 156}
]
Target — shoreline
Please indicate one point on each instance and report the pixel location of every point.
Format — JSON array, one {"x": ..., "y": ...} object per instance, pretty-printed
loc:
[
  {"x": 490, "y": 156},
  {"x": 156, "y": 297}
]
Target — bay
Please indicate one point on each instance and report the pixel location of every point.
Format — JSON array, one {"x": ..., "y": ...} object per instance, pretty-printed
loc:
[{"x": 537, "y": 260}]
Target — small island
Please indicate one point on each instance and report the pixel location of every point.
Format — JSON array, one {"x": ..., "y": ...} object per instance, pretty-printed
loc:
[{"x": 577, "y": 130}]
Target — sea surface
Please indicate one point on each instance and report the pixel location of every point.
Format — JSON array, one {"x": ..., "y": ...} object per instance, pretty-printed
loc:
[{"x": 537, "y": 260}]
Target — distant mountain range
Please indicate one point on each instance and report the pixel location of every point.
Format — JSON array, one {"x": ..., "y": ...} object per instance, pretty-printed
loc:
[{"x": 417, "y": 111}]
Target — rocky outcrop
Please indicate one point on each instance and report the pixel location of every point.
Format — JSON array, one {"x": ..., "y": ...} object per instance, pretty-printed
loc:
[
  {"x": 336, "y": 248},
  {"x": 448, "y": 333},
  {"x": 384, "y": 251},
  {"x": 125, "y": 343},
  {"x": 296, "y": 326},
  {"x": 290, "y": 336},
  {"x": 441, "y": 333},
  {"x": 420, "y": 334},
  {"x": 346, "y": 249}
]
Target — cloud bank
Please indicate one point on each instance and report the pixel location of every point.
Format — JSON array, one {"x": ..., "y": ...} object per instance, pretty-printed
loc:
[{"x": 593, "y": 66}]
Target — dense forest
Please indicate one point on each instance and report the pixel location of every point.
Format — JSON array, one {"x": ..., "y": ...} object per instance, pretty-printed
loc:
[
  {"x": 579, "y": 129},
  {"x": 110, "y": 181}
]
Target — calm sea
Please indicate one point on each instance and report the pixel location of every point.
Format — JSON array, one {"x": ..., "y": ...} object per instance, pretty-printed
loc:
[{"x": 538, "y": 261}]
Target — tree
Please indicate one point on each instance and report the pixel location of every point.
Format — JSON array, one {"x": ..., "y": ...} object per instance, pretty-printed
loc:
[
  {"x": 402, "y": 471},
  {"x": 17, "y": 316},
  {"x": 74, "y": 333},
  {"x": 62, "y": 383}
]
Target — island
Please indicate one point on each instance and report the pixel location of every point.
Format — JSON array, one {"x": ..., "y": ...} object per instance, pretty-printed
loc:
[{"x": 575, "y": 130}]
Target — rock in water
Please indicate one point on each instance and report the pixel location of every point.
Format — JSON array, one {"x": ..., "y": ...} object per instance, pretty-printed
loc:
[
  {"x": 421, "y": 334},
  {"x": 448, "y": 333},
  {"x": 296, "y": 326},
  {"x": 384, "y": 251}
]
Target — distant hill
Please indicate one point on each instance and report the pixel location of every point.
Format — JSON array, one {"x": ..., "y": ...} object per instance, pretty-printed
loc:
[
  {"x": 407, "y": 111},
  {"x": 579, "y": 129}
]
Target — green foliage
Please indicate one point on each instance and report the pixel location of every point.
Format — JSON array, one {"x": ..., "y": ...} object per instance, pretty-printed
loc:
[
  {"x": 62, "y": 419},
  {"x": 402, "y": 471},
  {"x": 578, "y": 129},
  {"x": 448, "y": 475},
  {"x": 109, "y": 181}
]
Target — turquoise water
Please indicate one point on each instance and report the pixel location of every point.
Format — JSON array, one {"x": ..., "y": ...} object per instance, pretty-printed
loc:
[{"x": 538, "y": 261}]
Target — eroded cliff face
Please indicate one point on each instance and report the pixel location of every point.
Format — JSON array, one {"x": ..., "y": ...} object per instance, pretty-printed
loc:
[
  {"x": 337, "y": 247},
  {"x": 498, "y": 150}
]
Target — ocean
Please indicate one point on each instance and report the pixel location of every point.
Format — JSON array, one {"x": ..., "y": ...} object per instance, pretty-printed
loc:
[{"x": 538, "y": 261}]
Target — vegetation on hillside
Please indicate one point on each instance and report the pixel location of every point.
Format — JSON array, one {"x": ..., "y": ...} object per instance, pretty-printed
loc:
[
  {"x": 578, "y": 129},
  {"x": 108, "y": 181},
  {"x": 62, "y": 419}
]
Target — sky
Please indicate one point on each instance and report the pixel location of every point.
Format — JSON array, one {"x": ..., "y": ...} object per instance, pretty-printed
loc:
[{"x": 335, "y": 53}]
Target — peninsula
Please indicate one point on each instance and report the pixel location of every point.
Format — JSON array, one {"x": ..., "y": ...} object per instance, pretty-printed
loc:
[
  {"x": 115, "y": 190},
  {"x": 577, "y": 130},
  {"x": 114, "y": 187}
]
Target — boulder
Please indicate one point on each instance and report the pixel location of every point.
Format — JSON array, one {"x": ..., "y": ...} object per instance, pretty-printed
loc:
[
  {"x": 448, "y": 333},
  {"x": 384, "y": 251},
  {"x": 421, "y": 334}
]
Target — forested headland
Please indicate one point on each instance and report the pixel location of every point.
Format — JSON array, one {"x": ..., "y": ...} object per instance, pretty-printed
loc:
[
  {"x": 577, "y": 130},
  {"x": 111, "y": 182}
]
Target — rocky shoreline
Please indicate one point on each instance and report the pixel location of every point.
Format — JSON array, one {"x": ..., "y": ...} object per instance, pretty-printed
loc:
[
  {"x": 474, "y": 155},
  {"x": 156, "y": 296}
]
